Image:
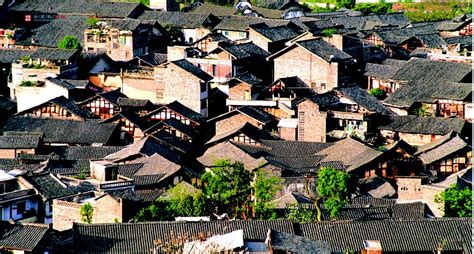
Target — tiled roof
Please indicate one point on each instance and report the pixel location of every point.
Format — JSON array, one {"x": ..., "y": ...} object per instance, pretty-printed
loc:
[
  {"x": 289, "y": 243},
  {"x": 49, "y": 186},
  {"x": 377, "y": 187},
  {"x": 172, "y": 142},
  {"x": 394, "y": 236},
  {"x": 246, "y": 129},
  {"x": 275, "y": 34},
  {"x": 425, "y": 125},
  {"x": 192, "y": 69},
  {"x": 140, "y": 237},
  {"x": 248, "y": 78},
  {"x": 145, "y": 147},
  {"x": 10, "y": 55},
  {"x": 181, "y": 19},
  {"x": 382, "y": 71},
  {"x": 50, "y": 33},
  {"x": 256, "y": 114},
  {"x": 364, "y": 99},
  {"x": 360, "y": 22},
  {"x": 240, "y": 23},
  {"x": 323, "y": 49},
  {"x": 102, "y": 9},
  {"x": 429, "y": 80},
  {"x": 63, "y": 131},
  {"x": 135, "y": 103},
  {"x": 89, "y": 152},
  {"x": 449, "y": 147},
  {"x": 229, "y": 150},
  {"x": 19, "y": 142},
  {"x": 68, "y": 105},
  {"x": 25, "y": 237},
  {"x": 180, "y": 126},
  {"x": 351, "y": 153},
  {"x": 126, "y": 24},
  {"x": 179, "y": 108},
  {"x": 218, "y": 10}
]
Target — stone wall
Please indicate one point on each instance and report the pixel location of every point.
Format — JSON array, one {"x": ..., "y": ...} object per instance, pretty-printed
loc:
[
  {"x": 258, "y": 39},
  {"x": 237, "y": 92}
]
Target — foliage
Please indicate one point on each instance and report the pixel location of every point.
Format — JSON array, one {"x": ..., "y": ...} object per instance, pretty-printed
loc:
[
  {"x": 92, "y": 22},
  {"x": 266, "y": 187},
  {"x": 86, "y": 213},
  {"x": 163, "y": 210},
  {"x": 228, "y": 185},
  {"x": 300, "y": 214},
  {"x": 69, "y": 42},
  {"x": 335, "y": 187},
  {"x": 378, "y": 93},
  {"x": 28, "y": 83},
  {"x": 457, "y": 202},
  {"x": 420, "y": 110},
  {"x": 82, "y": 174},
  {"x": 433, "y": 11},
  {"x": 377, "y": 8},
  {"x": 328, "y": 32},
  {"x": 26, "y": 58}
]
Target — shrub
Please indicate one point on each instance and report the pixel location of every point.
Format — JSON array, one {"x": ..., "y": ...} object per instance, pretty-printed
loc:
[
  {"x": 328, "y": 32},
  {"x": 69, "y": 42},
  {"x": 378, "y": 93}
]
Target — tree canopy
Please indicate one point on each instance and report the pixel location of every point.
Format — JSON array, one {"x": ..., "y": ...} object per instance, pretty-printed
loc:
[
  {"x": 266, "y": 187},
  {"x": 335, "y": 187},
  {"x": 69, "y": 42},
  {"x": 457, "y": 201},
  {"x": 86, "y": 213}
]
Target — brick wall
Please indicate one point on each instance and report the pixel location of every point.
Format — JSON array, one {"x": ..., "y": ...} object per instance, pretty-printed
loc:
[
  {"x": 233, "y": 122},
  {"x": 237, "y": 92},
  {"x": 144, "y": 87},
  {"x": 409, "y": 189},
  {"x": 287, "y": 133},
  {"x": 258, "y": 39},
  {"x": 106, "y": 210},
  {"x": 311, "y": 69},
  {"x": 311, "y": 122}
]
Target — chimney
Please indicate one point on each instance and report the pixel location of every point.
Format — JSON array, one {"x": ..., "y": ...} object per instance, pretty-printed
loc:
[{"x": 372, "y": 247}]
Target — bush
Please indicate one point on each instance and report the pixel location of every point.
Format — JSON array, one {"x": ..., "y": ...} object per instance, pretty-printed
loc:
[
  {"x": 367, "y": 8},
  {"x": 378, "y": 93},
  {"x": 328, "y": 32},
  {"x": 69, "y": 42}
]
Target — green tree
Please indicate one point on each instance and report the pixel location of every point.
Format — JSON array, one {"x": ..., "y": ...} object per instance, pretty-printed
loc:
[
  {"x": 420, "y": 110},
  {"x": 265, "y": 188},
  {"x": 378, "y": 93},
  {"x": 377, "y": 8},
  {"x": 92, "y": 22},
  {"x": 457, "y": 202},
  {"x": 86, "y": 213},
  {"x": 335, "y": 187},
  {"x": 228, "y": 185},
  {"x": 69, "y": 42},
  {"x": 300, "y": 214},
  {"x": 329, "y": 32}
]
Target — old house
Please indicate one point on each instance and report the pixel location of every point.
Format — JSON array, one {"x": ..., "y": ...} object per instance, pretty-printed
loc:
[
  {"x": 271, "y": 39},
  {"x": 122, "y": 40},
  {"x": 245, "y": 134},
  {"x": 243, "y": 88},
  {"x": 131, "y": 124},
  {"x": 379, "y": 75},
  {"x": 32, "y": 67},
  {"x": 209, "y": 42},
  {"x": 49, "y": 187},
  {"x": 13, "y": 145},
  {"x": 177, "y": 111},
  {"x": 104, "y": 105},
  {"x": 65, "y": 132},
  {"x": 446, "y": 155},
  {"x": 399, "y": 159},
  {"x": 417, "y": 130},
  {"x": 14, "y": 234},
  {"x": 181, "y": 80},
  {"x": 59, "y": 107},
  {"x": 240, "y": 116},
  {"x": 108, "y": 208},
  {"x": 176, "y": 128},
  {"x": 345, "y": 111},
  {"x": 18, "y": 199},
  {"x": 316, "y": 62},
  {"x": 235, "y": 27},
  {"x": 459, "y": 25},
  {"x": 192, "y": 26},
  {"x": 442, "y": 88}
]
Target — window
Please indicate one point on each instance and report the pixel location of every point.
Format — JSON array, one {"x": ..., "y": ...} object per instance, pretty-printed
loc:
[
  {"x": 225, "y": 33},
  {"x": 203, "y": 87},
  {"x": 214, "y": 70},
  {"x": 323, "y": 86},
  {"x": 190, "y": 40},
  {"x": 20, "y": 207},
  {"x": 243, "y": 34},
  {"x": 28, "y": 18},
  {"x": 159, "y": 93}
]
